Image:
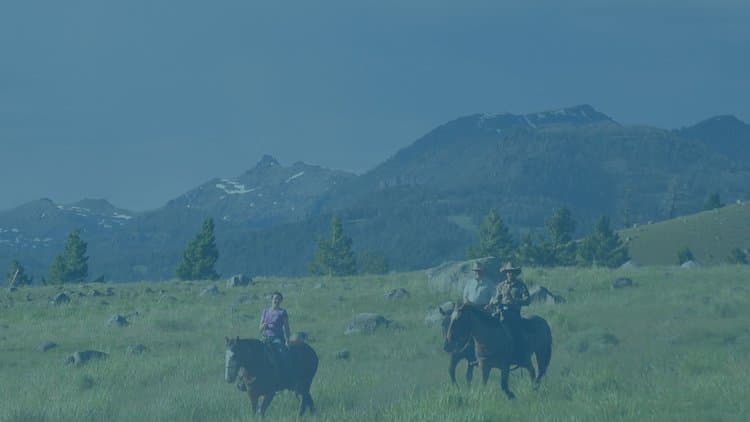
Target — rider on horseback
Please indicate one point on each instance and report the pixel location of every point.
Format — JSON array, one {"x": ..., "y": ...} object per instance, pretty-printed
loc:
[
  {"x": 510, "y": 296},
  {"x": 274, "y": 327}
]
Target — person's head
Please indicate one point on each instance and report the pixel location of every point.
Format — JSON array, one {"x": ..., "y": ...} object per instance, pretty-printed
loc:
[
  {"x": 477, "y": 269},
  {"x": 510, "y": 271},
  {"x": 276, "y": 298}
]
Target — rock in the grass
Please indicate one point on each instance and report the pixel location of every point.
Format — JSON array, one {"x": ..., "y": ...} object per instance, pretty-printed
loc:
[
  {"x": 135, "y": 349},
  {"x": 343, "y": 354},
  {"x": 399, "y": 293},
  {"x": 366, "y": 323},
  {"x": 210, "y": 291},
  {"x": 109, "y": 291},
  {"x": 167, "y": 299},
  {"x": 452, "y": 276},
  {"x": 94, "y": 292},
  {"x": 689, "y": 264},
  {"x": 60, "y": 298},
  {"x": 47, "y": 345},
  {"x": 239, "y": 280},
  {"x": 81, "y": 357},
  {"x": 622, "y": 282},
  {"x": 539, "y": 294},
  {"x": 118, "y": 320}
]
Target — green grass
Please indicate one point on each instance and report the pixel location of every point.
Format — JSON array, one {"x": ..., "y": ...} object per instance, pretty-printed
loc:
[
  {"x": 674, "y": 347},
  {"x": 710, "y": 235}
]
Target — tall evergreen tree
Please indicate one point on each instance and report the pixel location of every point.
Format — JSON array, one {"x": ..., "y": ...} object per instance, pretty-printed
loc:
[
  {"x": 603, "y": 247},
  {"x": 17, "y": 275},
  {"x": 200, "y": 256},
  {"x": 494, "y": 240},
  {"x": 334, "y": 256},
  {"x": 72, "y": 264},
  {"x": 533, "y": 254},
  {"x": 561, "y": 227},
  {"x": 713, "y": 202}
]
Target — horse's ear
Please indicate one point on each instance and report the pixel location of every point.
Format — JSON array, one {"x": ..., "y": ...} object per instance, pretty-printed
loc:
[
  {"x": 442, "y": 312},
  {"x": 238, "y": 339}
]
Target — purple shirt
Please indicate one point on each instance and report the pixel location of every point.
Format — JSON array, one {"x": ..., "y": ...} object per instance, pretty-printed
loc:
[{"x": 275, "y": 319}]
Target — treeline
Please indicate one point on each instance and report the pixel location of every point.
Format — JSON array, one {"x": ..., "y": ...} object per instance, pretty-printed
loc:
[{"x": 602, "y": 247}]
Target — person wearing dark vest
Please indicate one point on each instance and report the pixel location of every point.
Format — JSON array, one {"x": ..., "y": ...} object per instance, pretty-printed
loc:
[{"x": 510, "y": 296}]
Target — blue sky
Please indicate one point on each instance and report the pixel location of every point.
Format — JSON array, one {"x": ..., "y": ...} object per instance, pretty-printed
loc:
[{"x": 138, "y": 101}]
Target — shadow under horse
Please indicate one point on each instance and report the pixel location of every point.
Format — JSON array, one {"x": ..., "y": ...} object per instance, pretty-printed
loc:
[
  {"x": 494, "y": 343},
  {"x": 465, "y": 352},
  {"x": 251, "y": 360}
]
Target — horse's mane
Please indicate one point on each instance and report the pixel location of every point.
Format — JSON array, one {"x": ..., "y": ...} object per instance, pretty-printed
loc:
[{"x": 480, "y": 312}]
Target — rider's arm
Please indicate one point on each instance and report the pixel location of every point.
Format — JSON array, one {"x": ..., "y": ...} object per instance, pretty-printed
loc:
[{"x": 262, "y": 320}]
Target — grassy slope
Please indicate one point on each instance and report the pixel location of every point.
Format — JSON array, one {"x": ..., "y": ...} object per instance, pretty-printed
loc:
[
  {"x": 681, "y": 352},
  {"x": 710, "y": 235}
]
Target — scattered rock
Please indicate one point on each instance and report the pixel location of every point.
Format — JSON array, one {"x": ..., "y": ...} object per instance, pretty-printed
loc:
[
  {"x": 238, "y": 280},
  {"x": 622, "y": 282},
  {"x": 94, "y": 292},
  {"x": 210, "y": 291},
  {"x": 135, "y": 349},
  {"x": 167, "y": 299},
  {"x": 539, "y": 294},
  {"x": 343, "y": 354},
  {"x": 399, "y": 293},
  {"x": 689, "y": 264},
  {"x": 118, "y": 320},
  {"x": 60, "y": 298},
  {"x": 81, "y": 357},
  {"x": 366, "y": 323},
  {"x": 47, "y": 345},
  {"x": 109, "y": 291}
]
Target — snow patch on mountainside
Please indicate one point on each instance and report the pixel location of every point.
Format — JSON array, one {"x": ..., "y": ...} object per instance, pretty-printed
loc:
[
  {"x": 294, "y": 176},
  {"x": 233, "y": 188}
]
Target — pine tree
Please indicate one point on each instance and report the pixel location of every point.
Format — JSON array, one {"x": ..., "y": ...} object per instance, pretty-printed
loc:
[
  {"x": 532, "y": 254},
  {"x": 200, "y": 256},
  {"x": 334, "y": 256},
  {"x": 17, "y": 275},
  {"x": 72, "y": 264},
  {"x": 561, "y": 227},
  {"x": 713, "y": 202},
  {"x": 603, "y": 247},
  {"x": 494, "y": 240}
]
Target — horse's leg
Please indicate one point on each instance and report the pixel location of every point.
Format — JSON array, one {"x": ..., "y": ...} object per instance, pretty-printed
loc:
[
  {"x": 485, "y": 368},
  {"x": 452, "y": 367},
  {"x": 532, "y": 374},
  {"x": 266, "y": 402},
  {"x": 504, "y": 373},
  {"x": 469, "y": 372},
  {"x": 253, "y": 401},
  {"x": 307, "y": 403}
]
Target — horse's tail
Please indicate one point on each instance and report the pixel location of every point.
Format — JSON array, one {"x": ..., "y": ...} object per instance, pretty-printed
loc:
[{"x": 544, "y": 347}]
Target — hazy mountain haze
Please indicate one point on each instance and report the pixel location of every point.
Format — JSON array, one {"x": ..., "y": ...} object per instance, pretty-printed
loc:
[{"x": 139, "y": 101}]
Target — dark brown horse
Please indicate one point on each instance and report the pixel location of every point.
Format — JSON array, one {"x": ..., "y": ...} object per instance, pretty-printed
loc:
[
  {"x": 461, "y": 353},
  {"x": 252, "y": 360},
  {"x": 494, "y": 344}
]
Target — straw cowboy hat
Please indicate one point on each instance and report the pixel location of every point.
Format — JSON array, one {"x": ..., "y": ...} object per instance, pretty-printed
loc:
[{"x": 509, "y": 267}]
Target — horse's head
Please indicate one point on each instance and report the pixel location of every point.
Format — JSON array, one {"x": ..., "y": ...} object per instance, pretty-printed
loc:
[
  {"x": 458, "y": 331},
  {"x": 446, "y": 321},
  {"x": 231, "y": 363}
]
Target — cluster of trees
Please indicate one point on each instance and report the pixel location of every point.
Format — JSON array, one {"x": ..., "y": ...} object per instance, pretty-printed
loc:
[
  {"x": 334, "y": 256},
  {"x": 602, "y": 247}
]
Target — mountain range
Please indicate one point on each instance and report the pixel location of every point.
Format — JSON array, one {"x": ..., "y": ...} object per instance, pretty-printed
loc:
[{"x": 420, "y": 207}]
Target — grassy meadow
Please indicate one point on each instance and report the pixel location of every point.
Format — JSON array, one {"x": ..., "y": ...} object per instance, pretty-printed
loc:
[{"x": 674, "y": 347}]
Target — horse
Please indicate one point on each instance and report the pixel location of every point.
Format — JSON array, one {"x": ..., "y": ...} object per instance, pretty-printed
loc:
[
  {"x": 461, "y": 353},
  {"x": 494, "y": 343},
  {"x": 251, "y": 359}
]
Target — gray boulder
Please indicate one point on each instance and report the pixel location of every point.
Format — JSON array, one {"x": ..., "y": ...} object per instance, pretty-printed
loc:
[
  {"x": 81, "y": 357},
  {"x": 689, "y": 264},
  {"x": 622, "y": 282},
  {"x": 210, "y": 291},
  {"x": 343, "y": 354},
  {"x": 539, "y": 294},
  {"x": 399, "y": 293},
  {"x": 366, "y": 323},
  {"x": 164, "y": 298},
  {"x": 118, "y": 320},
  {"x": 452, "y": 276},
  {"x": 239, "y": 280},
  {"x": 135, "y": 349},
  {"x": 47, "y": 345},
  {"x": 60, "y": 299}
]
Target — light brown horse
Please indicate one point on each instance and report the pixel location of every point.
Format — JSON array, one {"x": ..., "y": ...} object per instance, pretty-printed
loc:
[
  {"x": 251, "y": 360},
  {"x": 494, "y": 343}
]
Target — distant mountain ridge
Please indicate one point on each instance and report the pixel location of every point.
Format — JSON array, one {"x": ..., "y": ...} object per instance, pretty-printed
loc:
[{"x": 418, "y": 208}]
